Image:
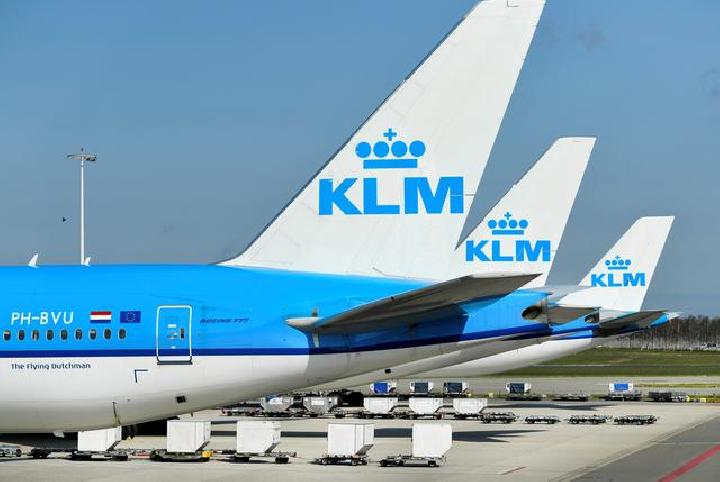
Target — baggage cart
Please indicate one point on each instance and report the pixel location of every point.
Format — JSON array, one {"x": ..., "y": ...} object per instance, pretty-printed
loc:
[
  {"x": 548, "y": 419},
  {"x": 636, "y": 420},
  {"x": 588, "y": 419},
  {"x": 498, "y": 417}
]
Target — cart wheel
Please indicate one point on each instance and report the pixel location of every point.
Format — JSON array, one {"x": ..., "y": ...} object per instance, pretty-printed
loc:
[
  {"x": 243, "y": 459},
  {"x": 363, "y": 462},
  {"x": 353, "y": 462},
  {"x": 432, "y": 463},
  {"x": 383, "y": 463},
  {"x": 400, "y": 463},
  {"x": 18, "y": 453},
  {"x": 439, "y": 416},
  {"x": 281, "y": 460},
  {"x": 323, "y": 461}
]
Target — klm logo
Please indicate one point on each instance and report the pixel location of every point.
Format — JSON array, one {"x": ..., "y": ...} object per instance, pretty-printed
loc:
[
  {"x": 618, "y": 275},
  {"x": 418, "y": 193},
  {"x": 505, "y": 247}
]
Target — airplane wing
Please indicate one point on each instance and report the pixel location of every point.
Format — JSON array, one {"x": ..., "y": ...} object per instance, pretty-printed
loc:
[{"x": 416, "y": 306}]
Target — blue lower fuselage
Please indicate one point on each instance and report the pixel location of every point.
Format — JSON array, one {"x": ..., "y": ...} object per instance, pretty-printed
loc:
[{"x": 178, "y": 311}]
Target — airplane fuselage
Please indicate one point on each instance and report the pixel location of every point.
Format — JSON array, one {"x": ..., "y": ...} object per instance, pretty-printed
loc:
[{"x": 92, "y": 347}]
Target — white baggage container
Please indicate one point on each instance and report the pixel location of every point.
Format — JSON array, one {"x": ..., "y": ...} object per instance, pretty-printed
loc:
[
  {"x": 431, "y": 439},
  {"x": 380, "y": 405},
  {"x": 469, "y": 406},
  {"x": 350, "y": 439},
  {"x": 257, "y": 437},
  {"x": 425, "y": 405},
  {"x": 621, "y": 387},
  {"x": 187, "y": 436},
  {"x": 99, "y": 440}
]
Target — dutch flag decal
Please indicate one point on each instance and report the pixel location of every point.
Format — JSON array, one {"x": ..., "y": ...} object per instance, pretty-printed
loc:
[{"x": 100, "y": 316}]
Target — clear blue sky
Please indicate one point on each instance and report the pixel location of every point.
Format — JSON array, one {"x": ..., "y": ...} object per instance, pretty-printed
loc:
[{"x": 209, "y": 116}]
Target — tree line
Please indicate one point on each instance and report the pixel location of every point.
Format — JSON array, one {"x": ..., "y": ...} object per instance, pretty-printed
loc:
[{"x": 686, "y": 333}]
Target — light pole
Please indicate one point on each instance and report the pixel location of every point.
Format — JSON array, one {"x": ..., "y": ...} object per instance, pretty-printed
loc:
[{"x": 82, "y": 156}]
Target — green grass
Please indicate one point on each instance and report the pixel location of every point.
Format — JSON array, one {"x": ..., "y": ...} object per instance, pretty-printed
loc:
[{"x": 627, "y": 362}]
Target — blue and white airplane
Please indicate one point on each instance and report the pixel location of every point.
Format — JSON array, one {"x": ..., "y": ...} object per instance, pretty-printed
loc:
[
  {"x": 340, "y": 283},
  {"x": 618, "y": 283}
]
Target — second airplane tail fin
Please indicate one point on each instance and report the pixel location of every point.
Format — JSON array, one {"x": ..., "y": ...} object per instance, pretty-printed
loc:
[{"x": 521, "y": 233}]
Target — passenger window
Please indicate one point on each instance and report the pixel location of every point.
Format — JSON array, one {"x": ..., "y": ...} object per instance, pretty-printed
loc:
[
  {"x": 35, "y": 335},
  {"x": 63, "y": 334},
  {"x": 122, "y": 333},
  {"x": 78, "y": 334},
  {"x": 93, "y": 334},
  {"x": 107, "y": 333},
  {"x": 50, "y": 334},
  {"x": 6, "y": 335},
  {"x": 21, "y": 335}
]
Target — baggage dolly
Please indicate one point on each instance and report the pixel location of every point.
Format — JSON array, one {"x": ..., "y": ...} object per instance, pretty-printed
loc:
[
  {"x": 162, "y": 455},
  {"x": 117, "y": 455},
  {"x": 10, "y": 451},
  {"x": 279, "y": 457},
  {"x": 342, "y": 460},
  {"x": 402, "y": 460}
]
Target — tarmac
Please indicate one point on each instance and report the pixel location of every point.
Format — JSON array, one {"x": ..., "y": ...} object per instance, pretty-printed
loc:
[{"x": 683, "y": 442}]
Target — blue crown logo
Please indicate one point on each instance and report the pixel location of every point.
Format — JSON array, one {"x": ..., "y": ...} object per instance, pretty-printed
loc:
[
  {"x": 508, "y": 226},
  {"x": 618, "y": 263},
  {"x": 390, "y": 154}
]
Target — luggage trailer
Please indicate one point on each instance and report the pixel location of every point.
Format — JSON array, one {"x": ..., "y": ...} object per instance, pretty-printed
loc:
[{"x": 498, "y": 417}]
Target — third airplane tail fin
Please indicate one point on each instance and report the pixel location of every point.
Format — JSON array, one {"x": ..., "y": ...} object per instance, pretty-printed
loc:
[{"x": 620, "y": 280}]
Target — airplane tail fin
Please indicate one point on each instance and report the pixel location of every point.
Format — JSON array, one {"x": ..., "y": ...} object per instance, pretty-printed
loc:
[
  {"x": 521, "y": 233},
  {"x": 620, "y": 280},
  {"x": 402, "y": 184}
]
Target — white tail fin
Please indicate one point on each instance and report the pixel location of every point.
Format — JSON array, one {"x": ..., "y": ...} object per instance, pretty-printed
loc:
[
  {"x": 620, "y": 280},
  {"x": 402, "y": 184},
  {"x": 522, "y": 232}
]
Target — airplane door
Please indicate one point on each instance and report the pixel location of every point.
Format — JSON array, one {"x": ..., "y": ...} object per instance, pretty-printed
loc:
[{"x": 173, "y": 334}]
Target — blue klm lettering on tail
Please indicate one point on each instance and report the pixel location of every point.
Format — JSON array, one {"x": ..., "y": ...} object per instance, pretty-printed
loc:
[
  {"x": 618, "y": 275},
  {"x": 418, "y": 193},
  {"x": 497, "y": 249}
]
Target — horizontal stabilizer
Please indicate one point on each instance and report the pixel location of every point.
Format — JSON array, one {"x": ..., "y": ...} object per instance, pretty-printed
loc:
[
  {"x": 636, "y": 321},
  {"x": 420, "y": 305}
]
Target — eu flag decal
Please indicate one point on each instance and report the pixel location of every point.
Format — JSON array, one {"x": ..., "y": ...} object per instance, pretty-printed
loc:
[{"x": 129, "y": 317}]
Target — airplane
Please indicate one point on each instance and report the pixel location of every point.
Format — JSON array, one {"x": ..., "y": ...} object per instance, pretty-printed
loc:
[
  {"x": 619, "y": 291},
  {"x": 338, "y": 284}
]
